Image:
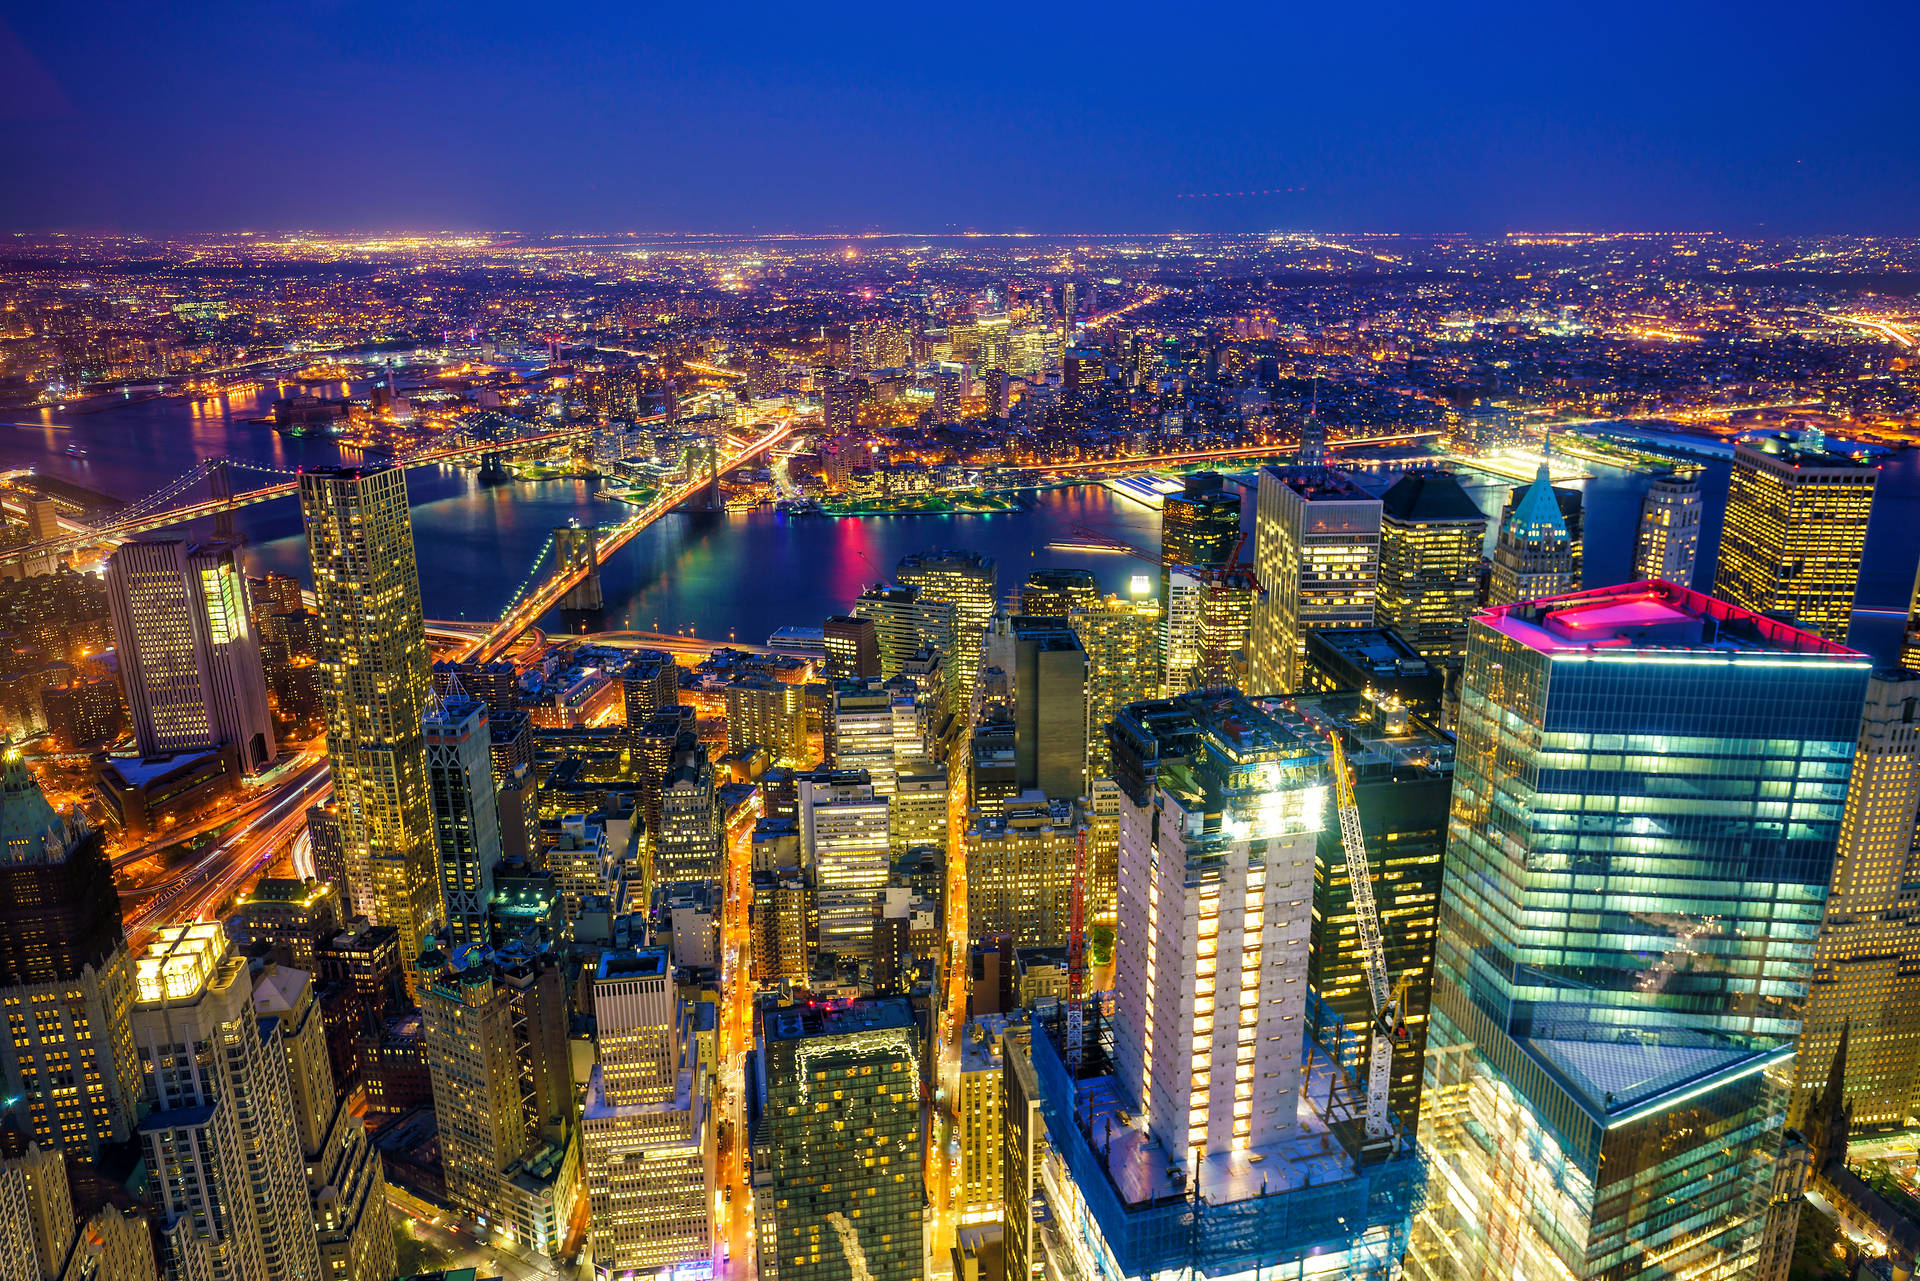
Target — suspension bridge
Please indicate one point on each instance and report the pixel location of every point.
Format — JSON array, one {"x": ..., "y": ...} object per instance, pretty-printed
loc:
[
  {"x": 573, "y": 565},
  {"x": 172, "y": 505}
]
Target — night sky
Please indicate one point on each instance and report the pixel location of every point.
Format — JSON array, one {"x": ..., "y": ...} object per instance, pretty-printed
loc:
[{"x": 339, "y": 115}]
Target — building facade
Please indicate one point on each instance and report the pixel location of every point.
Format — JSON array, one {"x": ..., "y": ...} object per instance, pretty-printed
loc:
[
  {"x": 1402, "y": 779},
  {"x": 967, "y": 581},
  {"x": 1431, "y": 534},
  {"x": 219, "y": 1129},
  {"x": 1122, "y": 643},
  {"x": 1021, "y": 859},
  {"x": 1866, "y": 968},
  {"x": 1056, "y": 593},
  {"x": 496, "y": 1047},
  {"x": 1668, "y": 540},
  {"x": 374, "y": 681},
  {"x": 644, "y": 1123},
  {"x": 1317, "y": 555},
  {"x": 66, "y": 979},
  {"x": 859, "y": 1152},
  {"x": 346, "y": 1181},
  {"x": 844, "y": 846},
  {"x": 1796, "y": 527},
  {"x": 1220, "y": 809},
  {"x": 1049, "y": 707},
  {"x": 466, "y": 822},
  {"x": 189, "y": 659}
]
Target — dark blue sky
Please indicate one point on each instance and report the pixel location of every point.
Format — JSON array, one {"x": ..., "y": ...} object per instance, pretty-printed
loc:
[{"x": 339, "y": 114}]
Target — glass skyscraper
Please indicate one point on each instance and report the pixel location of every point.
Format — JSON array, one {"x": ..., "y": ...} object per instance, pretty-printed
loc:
[{"x": 1647, "y": 795}]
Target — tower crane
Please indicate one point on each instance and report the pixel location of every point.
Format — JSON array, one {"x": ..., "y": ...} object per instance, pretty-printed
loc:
[{"x": 1389, "y": 1029}]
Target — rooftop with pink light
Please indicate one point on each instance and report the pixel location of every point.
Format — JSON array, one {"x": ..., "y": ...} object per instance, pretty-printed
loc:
[{"x": 1652, "y": 616}]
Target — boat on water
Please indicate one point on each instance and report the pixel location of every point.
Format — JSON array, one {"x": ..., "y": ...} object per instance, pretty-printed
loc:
[{"x": 75, "y": 451}]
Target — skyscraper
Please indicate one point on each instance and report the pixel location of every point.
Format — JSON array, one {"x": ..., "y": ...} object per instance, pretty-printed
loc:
[
  {"x": 853, "y": 647},
  {"x": 779, "y": 926},
  {"x": 346, "y": 1182},
  {"x": 48, "y": 1233},
  {"x": 844, "y": 1190},
  {"x": 1910, "y": 643},
  {"x": 374, "y": 682},
  {"x": 466, "y": 822},
  {"x": 189, "y": 659},
  {"x": 1049, "y": 707},
  {"x": 1208, "y": 623},
  {"x": 844, "y": 845},
  {"x": 1317, "y": 555},
  {"x": 650, "y": 682},
  {"x": 1669, "y": 536},
  {"x": 1866, "y": 966},
  {"x": 1795, "y": 530},
  {"x": 770, "y": 714},
  {"x": 1199, "y": 526},
  {"x": 644, "y": 1122},
  {"x": 968, "y": 582},
  {"x": 949, "y": 392},
  {"x": 1538, "y": 551},
  {"x": 1681, "y": 764},
  {"x": 219, "y": 1117},
  {"x": 496, "y": 1042},
  {"x": 689, "y": 845},
  {"x": 840, "y": 406},
  {"x": 861, "y": 732},
  {"x": 1020, "y": 861},
  {"x": 66, "y": 982},
  {"x": 905, "y": 621},
  {"x": 1083, "y": 374},
  {"x": 1431, "y": 533},
  {"x": 1122, "y": 643},
  {"x": 1055, "y": 593},
  {"x": 917, "y": 815},
  {"x": 1219, "y": 812}
]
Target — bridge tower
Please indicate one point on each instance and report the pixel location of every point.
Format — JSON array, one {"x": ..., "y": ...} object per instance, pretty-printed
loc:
[
  {"x": 220, "y": 483},
  {"x": 712, "y": 493},
  {"x": 583, "y": 608},
  {"x": 493, "y": 467}
]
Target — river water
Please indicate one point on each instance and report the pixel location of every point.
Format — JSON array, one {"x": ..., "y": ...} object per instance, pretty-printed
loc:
[{"x": 739, "y": 575}]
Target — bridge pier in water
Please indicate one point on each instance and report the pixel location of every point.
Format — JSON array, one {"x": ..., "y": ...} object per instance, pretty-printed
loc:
[{"x": 493, "y": 468}]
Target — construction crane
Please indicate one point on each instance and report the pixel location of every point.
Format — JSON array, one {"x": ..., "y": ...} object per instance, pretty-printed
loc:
[{"x": 1389, "y": 1028}]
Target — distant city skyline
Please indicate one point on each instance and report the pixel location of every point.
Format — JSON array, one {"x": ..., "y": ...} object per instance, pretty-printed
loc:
[{"x": 343, "y": 115}]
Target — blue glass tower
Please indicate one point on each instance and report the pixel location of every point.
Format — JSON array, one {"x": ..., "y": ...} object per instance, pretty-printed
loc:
[{"x": 1647, "y": 795}]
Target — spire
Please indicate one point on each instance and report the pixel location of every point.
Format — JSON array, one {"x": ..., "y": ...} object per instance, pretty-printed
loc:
[
  {"x": 1837, "y": 1070},
  {"x": 31, "y": 830},
  {"x": 434, "y": 709},
  {"x": 1537, "y": 514}
]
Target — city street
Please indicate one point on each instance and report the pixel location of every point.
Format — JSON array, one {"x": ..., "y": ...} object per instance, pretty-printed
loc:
[
  {"x": 733, "y": 1200},
  {"x": 243, "y": 853},
  {"x": 942, "y": 1188},
  {"x": 441, "y": 1242}
]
